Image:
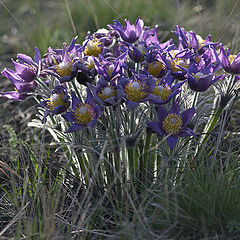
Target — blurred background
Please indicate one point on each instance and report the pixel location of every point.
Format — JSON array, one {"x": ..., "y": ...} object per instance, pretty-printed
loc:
[{"x": 41, "y": 23}]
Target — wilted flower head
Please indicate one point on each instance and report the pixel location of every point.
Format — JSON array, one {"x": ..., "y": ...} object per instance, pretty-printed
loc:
[
  {"x": 24, "y": 76},
  {"x": 172, "y": 124}
]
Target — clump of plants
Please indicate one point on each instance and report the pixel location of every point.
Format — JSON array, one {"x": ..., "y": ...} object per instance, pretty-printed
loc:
[{"x": 128, "y": 110}]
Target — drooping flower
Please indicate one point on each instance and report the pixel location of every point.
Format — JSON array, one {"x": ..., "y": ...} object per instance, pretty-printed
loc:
[
  {"x": 57, "y": 103},
  {"x": 24, "y": 76},
  {"x": 172, "y": 124},
  {"x": 230, "y": 63},
  {"x": 83, "y": 114},
  {"x": 201, "y": 77},
  {"x": 129, "y": 33}
]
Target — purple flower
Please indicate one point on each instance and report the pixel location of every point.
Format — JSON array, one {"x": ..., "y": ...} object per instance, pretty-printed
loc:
[
  {"x": 136, "y": 89},
  {"x": 192, "y": 41},
  {"x": 130, "y": 33},
  {"x": 164, "y": 90},
  {"x": 83, "y": 114},
  {"x": 63, "y": 63},
  {"x": 172, "y": 124},
  {"x": 201, "y": 77},
  {"x": 109, "y": 69},
  {"x": 105, "y": 93},
  {"x": 179, "y": 62},
  {"x": 150, "y": 36},
  {"x": 24, "y": 76},
  {"x": 230, "y": 63},
  {"x": 56, "y": 104}
]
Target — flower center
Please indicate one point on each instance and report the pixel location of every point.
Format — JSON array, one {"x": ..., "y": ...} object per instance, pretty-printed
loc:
[
  {"x": 90, "y": 63},
  {"x": 198, "y": 75},
  {"x": 154, "y": 68},
  {"x": 172, "y": 124},
  {"x": 231, "y": 58},
  {"x": 56, "y": 100},
  {"x": 178, "y": 62},
  {"x": 64, "y": 68},
  {"x": 162, "y": 92},
  {"x": 136, "y": 91},
  {"x": 106, "y": 93},
  {"x": 201, "y": 42},
  {"x": 84, "y": 114},
  {"x": 93, "y": 48},
  {"x": 110, "y": 70}
]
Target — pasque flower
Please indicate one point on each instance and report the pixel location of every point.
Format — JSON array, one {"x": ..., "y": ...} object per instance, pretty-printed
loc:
[
  {"x": 230, "y": 63},
  {"x": 136, "y": 89},
  {"x": 193, "y": 41},
  {"x": 201, "y": 77},
  {"x": 165, "y": 90},
  {"x": 129, "y": 33},
  {"x": 83, "y": 114},
  {"x": 24, "y": 76},
  {"x": 57, "y": 103},
  {"x": 172, "y": 124}
]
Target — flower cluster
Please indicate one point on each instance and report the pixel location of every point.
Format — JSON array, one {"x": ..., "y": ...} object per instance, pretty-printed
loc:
[{"x": 123, "y": 65}]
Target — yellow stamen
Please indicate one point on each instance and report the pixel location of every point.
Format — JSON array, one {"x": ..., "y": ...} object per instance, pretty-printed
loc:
[
  {"x": 172, "y": 124},
  {"x": 154, "y": 68},
  {"x": 106, "y": 93},
  {"x": 56, "y": 100},
  {"x": 64, "y": 68},
  {"x": 135, "y": 91},
  {"x": 90, "y": 63},
  {"x": 178, "y": 62},
  {"x": 231, "y": 58},
  {"x": 93, "y": 48},
  {"x": 162, "y": 92},
  {"x": 84, "y": 114}
]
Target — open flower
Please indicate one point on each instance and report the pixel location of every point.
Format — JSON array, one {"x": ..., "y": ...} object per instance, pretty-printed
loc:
[
  {"x": 105, "y": 93},
  {"x": 164, "y": 90},
  {"x": 83, "y": 114},
  {"x": 57, "y": 103},
  {"x": 24, "y": 76},
  {"x": 172, "y": 124},
  {"x": 136, "y": 89}
]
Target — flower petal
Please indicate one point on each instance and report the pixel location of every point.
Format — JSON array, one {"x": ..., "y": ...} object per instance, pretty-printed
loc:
[
  {"x": 172, "y": 141},
  {"x": 155, "y": 128},
  {"x": 187, "y": 116},
  {"x": 74, "y": 127}
]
